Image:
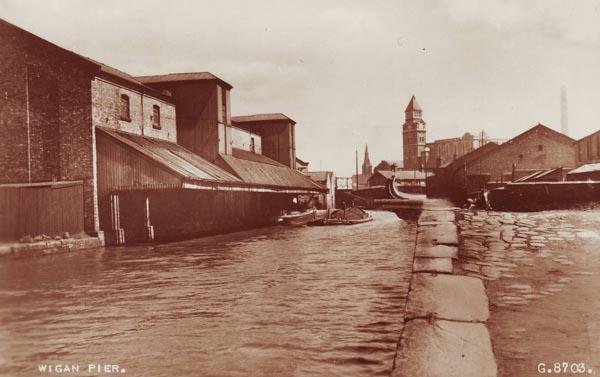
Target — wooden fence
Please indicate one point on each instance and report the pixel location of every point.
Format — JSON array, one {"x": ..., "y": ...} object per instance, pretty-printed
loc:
[{"x": 40, "y": 208}]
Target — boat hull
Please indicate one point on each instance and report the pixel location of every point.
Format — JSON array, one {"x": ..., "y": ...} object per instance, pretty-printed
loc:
[{"x": 303, "y": 218}]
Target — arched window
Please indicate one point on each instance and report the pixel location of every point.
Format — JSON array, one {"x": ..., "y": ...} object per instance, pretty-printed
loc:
[{"x": 125, "y": 114}]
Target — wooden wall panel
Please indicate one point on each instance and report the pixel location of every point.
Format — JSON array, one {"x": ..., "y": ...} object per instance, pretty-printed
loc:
[{"x": 50, "y": 210}]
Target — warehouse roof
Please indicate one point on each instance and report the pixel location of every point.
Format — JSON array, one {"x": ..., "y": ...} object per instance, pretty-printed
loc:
[
  {"x": 181, "y": 77},
  {"x": 173, "y": 157},
  {"x": 262, "y": 118},
  {"x": 258, "y": 169}
]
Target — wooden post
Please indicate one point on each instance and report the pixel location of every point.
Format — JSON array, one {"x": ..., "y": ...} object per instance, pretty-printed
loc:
[
  {"x": 115, "y": 235},
  {"x": 149, "y": 227}
]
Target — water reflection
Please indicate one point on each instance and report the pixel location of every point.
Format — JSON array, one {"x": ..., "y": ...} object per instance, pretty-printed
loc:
[{"x": 274, "y": 301}]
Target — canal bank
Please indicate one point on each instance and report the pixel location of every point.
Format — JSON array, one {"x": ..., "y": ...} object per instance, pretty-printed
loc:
[{"x": 445, "y": 331}]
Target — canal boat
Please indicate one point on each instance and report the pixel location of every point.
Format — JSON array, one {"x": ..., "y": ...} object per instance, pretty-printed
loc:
[
  {"x": 303, "y": 218},
  {"x": 350, "y": 216}
]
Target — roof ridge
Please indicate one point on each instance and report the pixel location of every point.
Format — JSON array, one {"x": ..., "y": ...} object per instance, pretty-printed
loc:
[{"x": 176, "y": 73}]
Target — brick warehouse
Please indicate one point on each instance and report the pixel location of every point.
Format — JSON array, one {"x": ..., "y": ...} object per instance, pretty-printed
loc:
[
  {"x": 141, "y": 147},
  {"x": 538, "y": 148}
]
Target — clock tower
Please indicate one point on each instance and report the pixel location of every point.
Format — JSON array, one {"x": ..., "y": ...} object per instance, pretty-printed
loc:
[{"x": 413, "y": 136}]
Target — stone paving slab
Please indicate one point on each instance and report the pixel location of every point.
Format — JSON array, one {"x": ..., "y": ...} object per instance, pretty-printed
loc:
[
  {"x": 436, "y": 251},
  {"x": 440, "y": 265},
  {"x": 450, "y": 297},
  {"x": 446, "y": 234},
  {"x": 429, "y": 216},
  {"x": 445, "y": 348}
]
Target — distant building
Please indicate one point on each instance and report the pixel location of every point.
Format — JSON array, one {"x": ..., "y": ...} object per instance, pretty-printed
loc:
[
  {"x": 380, "y": 178},
  {"x": 587, "y": 149},
  {"x": 363, "y": 181},
  {"x": 411, "y": 178},
  {"x": 326, "y": 179},
  {"x": 277, "y": 136},
  {"x": 442, "y": 152},
  {"x": 389, "y": 165},
  {"x": 301, "y": 165},
  {"x": 413, "y": 136},
  {"x": 536, "y": 149},
  {"x": 587, "y": 154}
]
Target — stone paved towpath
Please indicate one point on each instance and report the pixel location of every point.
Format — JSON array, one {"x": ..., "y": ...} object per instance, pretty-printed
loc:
[
  {"x": 542, "y": 277},
  {"x": 445, "y": 331}
]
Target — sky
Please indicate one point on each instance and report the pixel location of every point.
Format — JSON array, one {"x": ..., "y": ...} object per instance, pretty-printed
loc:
[{"x": 345, "y": 70}]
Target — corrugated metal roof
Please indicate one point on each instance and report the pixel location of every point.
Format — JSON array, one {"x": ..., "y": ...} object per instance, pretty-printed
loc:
[
  {"x": 185, "y": 76},
  {"x": 587, "y": 168},
  {"x": 319, "y": 176},
  {"x": 250, "y": 170},
  {"x": 531, "y": 176},
  {"x": 261, "y": 118},
  {"x": 256, "y": 157},
  {"x": 173, "y": 157}
]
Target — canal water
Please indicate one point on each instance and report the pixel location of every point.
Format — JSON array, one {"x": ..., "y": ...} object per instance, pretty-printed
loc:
[{"x": 278, "y": 301}]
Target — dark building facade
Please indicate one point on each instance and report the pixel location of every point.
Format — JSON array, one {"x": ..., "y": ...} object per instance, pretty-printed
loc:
[
  {"x": 157, "y": 156},
  {"x": 46, "y": 115},
  {"x": 277, "y": 132}
]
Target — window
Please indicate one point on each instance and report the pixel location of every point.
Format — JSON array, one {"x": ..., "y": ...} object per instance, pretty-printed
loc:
[
  {"x": 125, "y": 115},
  {"x": 540, "y": 148},
  {"x": 224, "y": 104},
  {"x": 156, "y": 116},
  {"x": 252, "y": 145}
]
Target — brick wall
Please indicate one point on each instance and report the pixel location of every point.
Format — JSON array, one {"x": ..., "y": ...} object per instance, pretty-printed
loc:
[
  {"x": 52, "y": 87},
  {"x": 527, "y": 154},
  {"x": 106, "y": 111}
]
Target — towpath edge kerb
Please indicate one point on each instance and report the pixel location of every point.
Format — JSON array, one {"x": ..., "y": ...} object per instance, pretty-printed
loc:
[
  {"x": 445, "y": 332},
  {"x": 46, "y": 247}
]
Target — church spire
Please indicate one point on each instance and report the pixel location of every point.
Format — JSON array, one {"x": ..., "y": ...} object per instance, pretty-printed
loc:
[{"x": 367, "y": 168}]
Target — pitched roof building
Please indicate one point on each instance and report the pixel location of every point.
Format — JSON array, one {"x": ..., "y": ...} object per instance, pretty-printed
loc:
[{"x": 538, "y": 148}]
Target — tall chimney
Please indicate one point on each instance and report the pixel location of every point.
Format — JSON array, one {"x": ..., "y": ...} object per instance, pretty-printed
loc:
[{"x": 564, "y": 117}]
